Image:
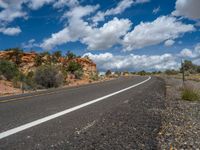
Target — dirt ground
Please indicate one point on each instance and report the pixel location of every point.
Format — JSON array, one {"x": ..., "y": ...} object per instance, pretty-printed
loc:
[{"x": 6, "y": 87}]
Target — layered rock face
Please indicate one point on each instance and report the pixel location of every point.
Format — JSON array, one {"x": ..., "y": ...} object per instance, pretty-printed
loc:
[
  {"x": 27, "y": 60},
  {"x": 28, "y": 63},
  {"x": 89, "y": 67}
]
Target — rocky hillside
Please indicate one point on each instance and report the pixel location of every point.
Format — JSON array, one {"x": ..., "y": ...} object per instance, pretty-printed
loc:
[{"x": 28, "y": 62}]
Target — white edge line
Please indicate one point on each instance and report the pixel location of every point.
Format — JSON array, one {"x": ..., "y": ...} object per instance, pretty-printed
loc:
[{"x": 45, "y": 119}]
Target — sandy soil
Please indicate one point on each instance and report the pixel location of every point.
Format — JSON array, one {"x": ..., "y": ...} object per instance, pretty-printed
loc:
[{"x": 6, "y": 88}]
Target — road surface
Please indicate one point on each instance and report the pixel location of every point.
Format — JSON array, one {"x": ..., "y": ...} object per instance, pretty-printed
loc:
[{"x": 120, "y": 114}]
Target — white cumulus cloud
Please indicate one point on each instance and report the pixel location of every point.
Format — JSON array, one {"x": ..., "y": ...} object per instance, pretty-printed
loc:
[
  {"x": 11, "y": 9},
  {"x": 62, "y": 3},
  {"x": 188, "y": 9},
  {"x": 152, "y": 33},
  {"x": 186, "y": 53},
  {"x": 194, "y": 53},
  {"x": 79, "y": 30},
  {"x": 35, "y": 4},
  {"x": 169, "y": 42},
  {"x": 30, "y": 44},
  {"x": 56, "y": 39},
  {"x": 10, "y": 31},
  {"x": 108, "y": 35},
  {"x": 133, "y": 62},
  {"x": 121, "y": 7},
  {"x": 76, "y": 29}
]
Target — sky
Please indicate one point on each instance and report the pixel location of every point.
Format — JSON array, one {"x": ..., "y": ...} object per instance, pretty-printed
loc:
[{"x": 122, "y": 35}]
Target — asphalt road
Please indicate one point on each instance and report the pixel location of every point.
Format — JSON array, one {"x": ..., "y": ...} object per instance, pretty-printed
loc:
[{"x": 82, "y": 117}]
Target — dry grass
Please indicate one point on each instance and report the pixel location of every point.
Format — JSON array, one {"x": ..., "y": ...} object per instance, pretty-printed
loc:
[{"x": 190, "y": 93}]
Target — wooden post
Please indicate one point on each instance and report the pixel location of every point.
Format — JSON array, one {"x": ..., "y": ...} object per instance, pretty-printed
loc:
[{"x": 183, "y": 70}]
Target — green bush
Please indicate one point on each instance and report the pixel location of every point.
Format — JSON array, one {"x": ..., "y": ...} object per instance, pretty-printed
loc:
[
  {"x": 17, "y": 55},
  {"x": 8, "y": 69},
  {"x": 171, "y": 72},
  {"x": 18, "y": 79},
  {"x": 48, "y": 76},
  {"x": 78, "y": 74},
  {"x": 55, "y": 56},
  {"x": 94, "y": 76},
  {"x": 38, "y": 60},
  {"x": 142, "y": 73},
  {"x": 29, "y": 81},
  {"x": 190, "y": 94},
  {"x": 108, "y": 72},
  {"x": 70, "y": 55},
  {"x": 74, "y": 66}
]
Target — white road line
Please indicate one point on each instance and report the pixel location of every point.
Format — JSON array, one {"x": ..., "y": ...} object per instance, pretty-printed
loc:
[{"x": 45, "y": 119}]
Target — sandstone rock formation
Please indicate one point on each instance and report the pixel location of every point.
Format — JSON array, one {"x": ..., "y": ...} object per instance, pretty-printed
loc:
[{"x": 27, "y": 62}]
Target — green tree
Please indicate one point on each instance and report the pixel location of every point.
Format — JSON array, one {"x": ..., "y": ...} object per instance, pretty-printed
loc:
[
  {"x": 189, "y": 67},
  {"x": 142, "y": 73},
  {"x": 47, "y": 55},
  {"x": 56, "y": 55},
  {"x": 171, "y": 72},
  {"x": 74, "y": 66},
  {"x": 8, "y": 69},
  {"x": 108, "y": 72},
  {"x": 198, "y": 69},
  {"x": 38, "y": 60},
  {"x": 70, "y": 55},
  {"x": 17, "y": 55},
  {"x": 118, "y": 73}
]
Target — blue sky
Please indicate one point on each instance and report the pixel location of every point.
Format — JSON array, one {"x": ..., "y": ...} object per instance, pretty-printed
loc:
[{"x": 116, "y": 34}]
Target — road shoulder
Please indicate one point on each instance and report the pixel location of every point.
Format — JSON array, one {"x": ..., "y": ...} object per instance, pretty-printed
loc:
[{"x": 180, "y": 120}]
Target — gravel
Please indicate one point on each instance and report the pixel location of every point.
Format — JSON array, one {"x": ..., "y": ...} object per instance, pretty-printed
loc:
[
  {"x": 133, "y": 125},
  {"x": 181, "y": 119}
]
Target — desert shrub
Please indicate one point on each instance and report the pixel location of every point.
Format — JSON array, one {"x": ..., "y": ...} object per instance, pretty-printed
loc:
[
  {"x": 29, "y": 81},
  {"x": 48, "y": 76},
  {"x": 38, "y": 60},
  {"x": 45, "y": 53},
  {"x": 74, "y": 66},
  {"x": 70, "y": 55},
  {"x": 171, "y": 72},
  {"x": 190, "y": 67},
  {"x": 198, "y": 69},
  {"x": 108, "y": 72},
  {"x": 125, "y": 73},
  {"x": 17, "y": 55},
  {"x": 64, "y": 71},
  {"x": 16, "y": 83},
  {"x": 47, "y": 57},
  {"x": 78, "y": 74},
  {"x": 118, "y": 73},
  {"x": 190, "y": 94},
  {"x": 142, "y": 73},
  {"x": 55, "y": 56},
  {"x": 8, "y": 69},
  {"x": 94, "y": 76},
  {"x": 26, "y": 82},
  {"x": 18, "y": 80}
]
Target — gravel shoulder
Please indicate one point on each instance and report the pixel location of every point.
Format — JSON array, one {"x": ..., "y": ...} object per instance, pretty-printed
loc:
[
  {"x": 132, "y": 125},
  {"x": 180, "y": 120}
]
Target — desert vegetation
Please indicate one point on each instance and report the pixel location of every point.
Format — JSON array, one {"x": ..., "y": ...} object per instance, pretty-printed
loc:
[
  {"x": 190, "y": 94},
  {"x": 30, "y": 71}
]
